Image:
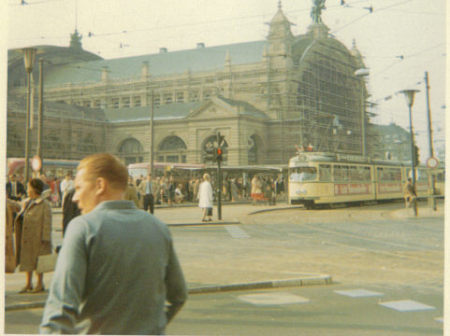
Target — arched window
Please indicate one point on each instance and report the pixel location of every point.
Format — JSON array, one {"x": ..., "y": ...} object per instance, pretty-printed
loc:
[
  {"x": 172, "y": 149},
  {"x": 254, "y": 149},
  {"x": 131, "y": 151}
]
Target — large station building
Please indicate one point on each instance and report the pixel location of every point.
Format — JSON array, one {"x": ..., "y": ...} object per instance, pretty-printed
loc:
[{"x": 266, "y": 97}]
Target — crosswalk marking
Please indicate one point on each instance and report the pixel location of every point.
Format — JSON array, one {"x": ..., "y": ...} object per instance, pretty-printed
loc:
[
  {"x": 236, "y": 232},
  {"x": 358, "y": 293},
  {"x": 406, "y": 305},
  {"x": 268, "y": 299}
]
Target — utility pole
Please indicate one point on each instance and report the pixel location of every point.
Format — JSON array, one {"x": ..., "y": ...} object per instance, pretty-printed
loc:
[
  {"x": 41, "y": 112},
  {"x": 430, "y": 141},
  {"x": 152, "y": 129},
  {"x": 218, "y": 157}
]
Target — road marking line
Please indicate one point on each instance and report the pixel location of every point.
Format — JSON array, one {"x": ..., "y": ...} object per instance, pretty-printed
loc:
[
  {"x": 269, "y": 299},
  {"x": 236, "y": 232},
  {"x": 358, "y": 293},
  {"x": 406, "y": 305}
]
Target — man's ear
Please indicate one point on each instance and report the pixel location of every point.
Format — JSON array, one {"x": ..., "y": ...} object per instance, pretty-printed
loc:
[{"x": 101, "y": 186}]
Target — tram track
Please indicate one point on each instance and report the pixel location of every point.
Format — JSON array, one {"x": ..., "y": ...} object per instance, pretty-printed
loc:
[{"x": 360, "y": 242}]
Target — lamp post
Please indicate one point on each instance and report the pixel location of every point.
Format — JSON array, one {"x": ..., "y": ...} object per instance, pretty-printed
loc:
[
  {"x": 152, "y": 130},
  {"x": 361, "y": 73},
  {"x": 41, "y": 112},
  {"x": 409, "y": 95},
  {"x": 29, "y": 55}
]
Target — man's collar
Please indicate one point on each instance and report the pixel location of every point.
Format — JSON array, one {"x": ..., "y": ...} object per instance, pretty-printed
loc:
[{"x": 116, "y": 204}]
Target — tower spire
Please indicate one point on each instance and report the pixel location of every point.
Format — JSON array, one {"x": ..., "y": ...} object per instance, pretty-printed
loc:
[{"x": 279, "y": 4}]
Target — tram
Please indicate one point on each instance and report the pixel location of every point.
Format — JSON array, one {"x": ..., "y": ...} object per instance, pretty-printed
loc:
[{"x": 326, "y": 178}]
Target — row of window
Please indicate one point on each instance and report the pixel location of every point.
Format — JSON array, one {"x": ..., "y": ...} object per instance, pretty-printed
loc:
[
  {"x": 136, "y": 101},
  {"x": 346, "y": 173}
]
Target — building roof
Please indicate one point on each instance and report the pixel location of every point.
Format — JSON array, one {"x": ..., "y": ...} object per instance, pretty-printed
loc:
[
  {"x": 57, "y": 110},
  {"x": 161, "y": 64}
]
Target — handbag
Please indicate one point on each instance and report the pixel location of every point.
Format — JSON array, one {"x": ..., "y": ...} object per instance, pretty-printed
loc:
[{"x": 46, "y": 263}]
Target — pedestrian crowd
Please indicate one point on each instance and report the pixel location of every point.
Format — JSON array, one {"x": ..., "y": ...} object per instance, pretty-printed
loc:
[{"x": 170, "y": 190}]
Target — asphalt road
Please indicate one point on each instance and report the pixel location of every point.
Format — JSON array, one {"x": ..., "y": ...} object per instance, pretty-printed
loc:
[{"x": 387, "y": 269}]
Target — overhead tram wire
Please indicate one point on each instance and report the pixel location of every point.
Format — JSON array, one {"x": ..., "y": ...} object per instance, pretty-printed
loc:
[
  {"x": 31, "y": 2},
  {"x": 93, "y": 34}
]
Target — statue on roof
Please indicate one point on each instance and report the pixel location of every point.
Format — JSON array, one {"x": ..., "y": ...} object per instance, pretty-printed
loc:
[
  {"x": 316, "y": 11},
  {"x": 75, "y": 40}
]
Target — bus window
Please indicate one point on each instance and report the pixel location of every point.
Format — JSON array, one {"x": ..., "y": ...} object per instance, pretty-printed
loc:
[
  {"x": 299, "y": 174},
  {"x": 324, "y": 173}
]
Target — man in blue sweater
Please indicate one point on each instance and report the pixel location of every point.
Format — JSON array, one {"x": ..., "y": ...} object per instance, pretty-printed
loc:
[{"x": 117, "y": 267}]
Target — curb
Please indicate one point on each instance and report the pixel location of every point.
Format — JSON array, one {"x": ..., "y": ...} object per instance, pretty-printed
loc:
[
  {"x": 315, "y": 280},
  {"x": 203, "y": 223},
  {"x": 275, "y": 209},
  {"x": 299, "y": 282}
]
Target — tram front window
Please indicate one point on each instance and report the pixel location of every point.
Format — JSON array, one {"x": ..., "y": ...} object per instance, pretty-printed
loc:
[{"x": 300, "y": 174}]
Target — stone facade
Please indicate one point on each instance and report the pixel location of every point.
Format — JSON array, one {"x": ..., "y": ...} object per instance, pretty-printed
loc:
[{"x": 265, "y": 97}]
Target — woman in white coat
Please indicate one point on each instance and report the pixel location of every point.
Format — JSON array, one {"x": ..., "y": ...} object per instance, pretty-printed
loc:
[{"x": 205, "y": 198}]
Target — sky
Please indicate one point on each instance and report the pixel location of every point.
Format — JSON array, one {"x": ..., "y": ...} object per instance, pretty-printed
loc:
[{"x": 399, "y": 39}]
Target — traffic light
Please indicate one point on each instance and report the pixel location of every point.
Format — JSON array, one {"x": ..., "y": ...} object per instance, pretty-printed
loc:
[
  {"x": 219, "y": 153},
  {"x": 416, "y": 157},
  {"x": 220, "y": 140},
  {"x": 209, "y": 154}
]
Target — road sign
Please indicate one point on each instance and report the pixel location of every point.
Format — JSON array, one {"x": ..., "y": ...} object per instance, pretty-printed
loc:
[{"x": 432, "y": 162}]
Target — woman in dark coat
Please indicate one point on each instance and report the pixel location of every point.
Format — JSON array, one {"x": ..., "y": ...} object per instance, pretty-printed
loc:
[{"x": 33, "y": 234}]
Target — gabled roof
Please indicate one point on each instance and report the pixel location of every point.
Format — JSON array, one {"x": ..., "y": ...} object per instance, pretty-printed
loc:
[
  {"x": 162, "y": 64},
  {"x": 179, "y": 111},
  {"x": 236, "y": 107},
  {"x": 244, "y": 108}
]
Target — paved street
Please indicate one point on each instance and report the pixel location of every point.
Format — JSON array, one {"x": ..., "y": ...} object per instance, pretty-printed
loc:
[{"x": 386, "y": 266}]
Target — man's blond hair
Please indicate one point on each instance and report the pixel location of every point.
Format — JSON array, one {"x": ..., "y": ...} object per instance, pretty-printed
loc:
[{"x": 107, "y": 166}]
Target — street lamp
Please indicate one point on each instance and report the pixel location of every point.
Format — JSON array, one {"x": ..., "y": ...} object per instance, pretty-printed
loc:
[
  {"x": 409, "y": 96},
  {"x": 29, "y": 55},
  {"x": 361, "y": 73}
]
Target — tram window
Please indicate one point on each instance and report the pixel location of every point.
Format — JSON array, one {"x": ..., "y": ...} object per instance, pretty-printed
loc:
[
  {"x": 440, "y": 177},
  {"x": 324, "y": 172},
  {"x": 298, "y": 174},
  {"x": 354, "y": 173},
  {"x": 364, "y": 173},
  {"x": 389, "y": 174},
  {"x": 422, "y": 175},
  {"x": 341, "y": 173}
]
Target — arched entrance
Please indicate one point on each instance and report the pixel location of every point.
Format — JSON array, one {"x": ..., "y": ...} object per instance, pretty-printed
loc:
[
  {"x": 254, "y": 151},
  {"x": 131, "y": 151},
  {"x": 172, "y": 149}
]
